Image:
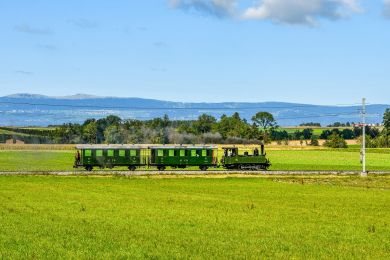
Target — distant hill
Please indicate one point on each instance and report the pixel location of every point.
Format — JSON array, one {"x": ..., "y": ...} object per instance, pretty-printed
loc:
[{"x": 38, "y": 110}]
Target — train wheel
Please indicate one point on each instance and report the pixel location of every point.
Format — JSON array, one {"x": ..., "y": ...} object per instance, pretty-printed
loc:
[
  {"x": 161, "y": 168},
  {"x": 132, "y": 168},
  {"x": 203, "y": 168},
  {"x": 88, "y": 168},
  {"x": 264, "y": 167}
]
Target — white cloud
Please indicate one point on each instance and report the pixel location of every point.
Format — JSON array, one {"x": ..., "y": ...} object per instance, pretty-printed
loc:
[
  {"x": 301, "y": 11},
  {"x": 386, "y": 10},
  {"x": 281, "y": 11},
  {"x": 25, "y": 28},
  {"x": 84, "y": 23},
  {"x": 219, "y": 8}
]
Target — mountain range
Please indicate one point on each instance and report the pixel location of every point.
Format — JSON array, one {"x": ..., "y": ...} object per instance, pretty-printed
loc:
[{"x": 26, "y": 109}]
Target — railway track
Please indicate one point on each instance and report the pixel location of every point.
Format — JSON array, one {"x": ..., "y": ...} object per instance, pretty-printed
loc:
[{"x": 180, "y": 172}]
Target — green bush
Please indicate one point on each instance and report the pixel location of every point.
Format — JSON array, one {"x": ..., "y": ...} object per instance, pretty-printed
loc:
[{"x": 335, "y": 141}]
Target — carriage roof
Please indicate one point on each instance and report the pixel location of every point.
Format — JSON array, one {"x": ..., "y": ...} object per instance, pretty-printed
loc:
[
  {"x": 184, "y": 147},
  {"x": 108, "y": 146}
]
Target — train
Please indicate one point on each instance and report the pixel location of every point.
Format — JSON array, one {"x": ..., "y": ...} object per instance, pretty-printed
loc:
[{"x": 173, "y": 156}]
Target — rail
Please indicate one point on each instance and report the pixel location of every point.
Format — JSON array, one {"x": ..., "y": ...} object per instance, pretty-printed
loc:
[{"x": 187, "y": 172}]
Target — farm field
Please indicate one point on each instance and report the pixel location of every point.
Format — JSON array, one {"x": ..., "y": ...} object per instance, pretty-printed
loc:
[
  {"x": 317, "y": 131},
  {"x": 212, "y": 217},
  {"x": 281, "y": 159}
]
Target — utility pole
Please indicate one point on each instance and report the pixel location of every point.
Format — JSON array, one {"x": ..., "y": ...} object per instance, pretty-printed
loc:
[{"x": 364, "y": 172}]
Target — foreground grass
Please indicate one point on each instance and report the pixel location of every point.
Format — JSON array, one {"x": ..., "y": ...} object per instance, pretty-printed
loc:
[
  {"x": 320, "y": 159},
  {"x": 13, "y": 160},
  {"x": 94, "y": 217},
  {"x": 329, "y": 159}
]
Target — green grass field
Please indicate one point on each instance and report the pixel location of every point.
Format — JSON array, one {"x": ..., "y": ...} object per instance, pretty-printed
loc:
[
  {"x": 329, "y": 159},
  {"x": 317, "y": 131},
  {"x": 320, "y": 159},
  {"x": 248, "y": 218},
  {"x": 36, "y": 160},
  {"x": 8, "y": 132}
]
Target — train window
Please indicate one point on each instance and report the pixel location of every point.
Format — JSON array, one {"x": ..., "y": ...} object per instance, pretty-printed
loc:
[
  {"x": 171, "y": 153},
  {"x": 87, "y": 153},
  {"x": 110, "y": 153},
  {"x": 160, "y": 153},
  {"x": 182, "y": 153},
  {"x": 204, "y": 153},
  {"x": 193, "y": 153},
  {"x": 99, "y": 153},
  {"x": 133, "y": 152},
  {"x": 122, "y": 153}
]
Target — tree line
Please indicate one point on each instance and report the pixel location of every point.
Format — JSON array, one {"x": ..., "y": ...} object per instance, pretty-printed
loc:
[{"x": 205, "y": 129}]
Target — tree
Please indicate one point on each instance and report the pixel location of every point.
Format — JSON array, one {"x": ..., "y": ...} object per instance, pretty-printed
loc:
[
  {"x": 325, "y": 134},
  {"x": 301, "y": 140},
  {"x": 348, "y": 134},
  {"x": 103, "y": 123},
  {"x": 90, "y": 132},
  {"x": 307, "y": 133},
  {"x": 278, "y": 135},
  {"x": 314, "y": 141},
  {"x": 204, "y": 124},
  {"x": 335, "y": 141},
  {"x": 297, "y": 135},
  {"x": 233, "y": 126},
  {"x": 113, "y": 120},
  {"x": 371, "y": 131},
  {"x": 386, "y": 120},
  {"x": 264, "y": 119},
  {"x": 87, "y": 121},
  {"x": 383, "y": 140},
  {"x": 158, "y": 123},
  {"x": 68, "y": 134},
  {"x": 114, "y": 135},
  {"x": 166, "y": 122},
  {"x": 311, "y": 124}
]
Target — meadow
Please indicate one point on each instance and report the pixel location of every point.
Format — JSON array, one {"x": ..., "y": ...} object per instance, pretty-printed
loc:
[
  {"x": 175, "y": 217},
  {"x": 317, "y": 131},
  {"x": 281, "y": 159}
]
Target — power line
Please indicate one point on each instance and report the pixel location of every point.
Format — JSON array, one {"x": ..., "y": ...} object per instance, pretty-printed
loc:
[
  {"x": 318, "y": 115},
  {"x": 59, "y": 116},
  {"x": 163, "y": 108}
]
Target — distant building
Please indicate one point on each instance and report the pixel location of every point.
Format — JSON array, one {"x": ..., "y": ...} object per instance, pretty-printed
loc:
[
  {"x": 14, "y": 141},
  {"x": 371, "y": 125}
]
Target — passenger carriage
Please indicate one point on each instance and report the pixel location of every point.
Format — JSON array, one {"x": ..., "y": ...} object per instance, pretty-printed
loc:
[
  {"x": 183, "y": 156},
  {"x": 109, "y": 156}
]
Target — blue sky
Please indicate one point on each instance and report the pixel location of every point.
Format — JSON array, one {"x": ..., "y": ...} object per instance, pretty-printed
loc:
[{"x": 317, "y": 51}]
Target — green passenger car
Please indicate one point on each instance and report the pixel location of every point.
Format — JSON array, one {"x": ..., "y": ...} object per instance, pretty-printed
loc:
[
  {"x": 183, "y": 156},
  {"x": 108, "y": 156},
  {"x": 253, "y": 160}
]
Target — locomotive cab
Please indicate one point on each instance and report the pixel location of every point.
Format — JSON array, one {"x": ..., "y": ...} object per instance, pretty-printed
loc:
[
  {"x": 233, "y": 151},
  {"x": 230, "y": 151},
  {"x": 254, "y": 159}
]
